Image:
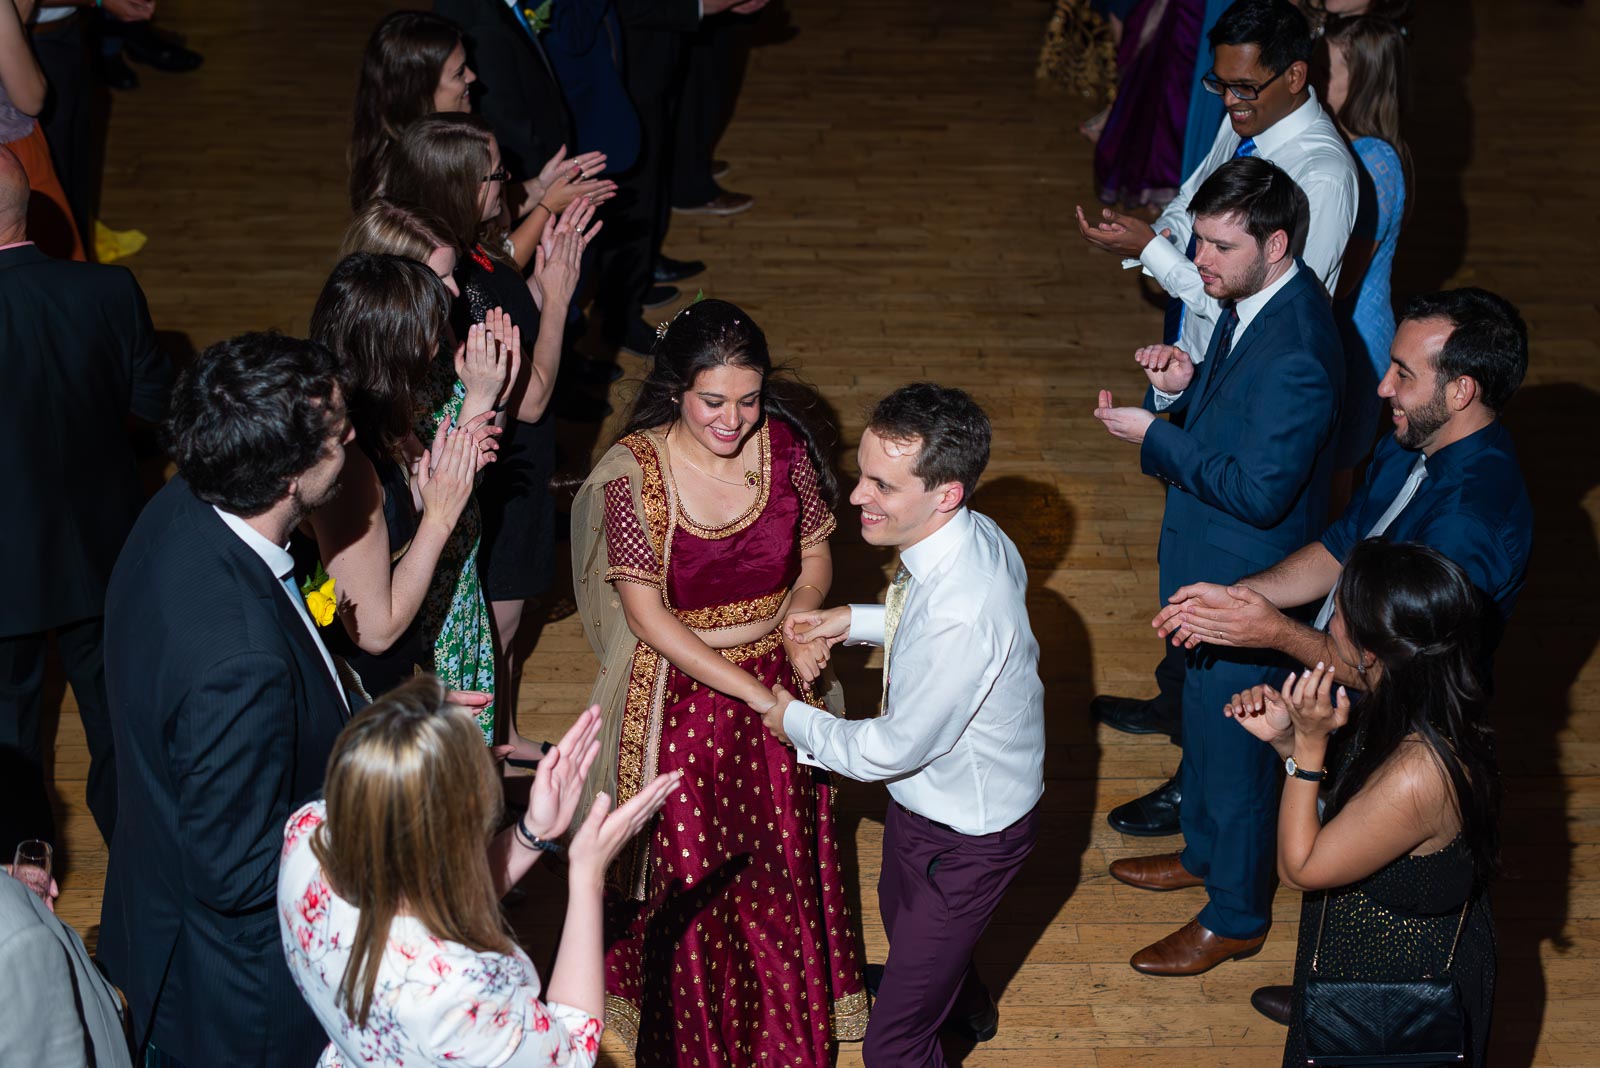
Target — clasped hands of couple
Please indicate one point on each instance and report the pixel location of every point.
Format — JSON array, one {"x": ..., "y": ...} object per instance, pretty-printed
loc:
[{"x": 808, "y": 637}]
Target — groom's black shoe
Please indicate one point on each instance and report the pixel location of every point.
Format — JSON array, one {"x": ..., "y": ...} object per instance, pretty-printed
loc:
[
  {"x": 1155, "y": 815},
  {"x": 977, "y": 1026}
]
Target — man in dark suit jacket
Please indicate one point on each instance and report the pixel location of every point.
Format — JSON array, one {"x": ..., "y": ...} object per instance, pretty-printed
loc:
[
  {"x": 225, "y": 705},
  {"x": 77, "y": 358},
  {"x": 1248, "y": 458},
  {"x": 518, "y": 92}
]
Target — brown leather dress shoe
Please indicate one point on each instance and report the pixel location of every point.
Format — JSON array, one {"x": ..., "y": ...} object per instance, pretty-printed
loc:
[
  {"x": 1160, "y": 872},
  {"x": 1192, "y": 950},
  {"x": 1273, "y": 1002}
]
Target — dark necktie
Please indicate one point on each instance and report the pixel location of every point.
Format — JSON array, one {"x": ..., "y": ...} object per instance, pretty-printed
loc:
[
  {"x": 1222, "y": 346},
  {"x": 1172, "y": 324}
]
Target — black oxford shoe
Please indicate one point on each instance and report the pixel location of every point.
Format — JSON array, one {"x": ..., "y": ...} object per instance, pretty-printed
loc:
[
  {"x": 1155, "y": 815},
  {"x": 1131, "y": 715}
]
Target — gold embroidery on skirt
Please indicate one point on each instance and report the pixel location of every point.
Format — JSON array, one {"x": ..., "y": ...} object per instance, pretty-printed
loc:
[
  {"x": 622, "y": 1020},
  {"x": 848, "y": 1017}
]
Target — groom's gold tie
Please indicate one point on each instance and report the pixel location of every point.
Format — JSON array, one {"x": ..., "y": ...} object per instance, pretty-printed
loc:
[{"x": 893, "y": 604}]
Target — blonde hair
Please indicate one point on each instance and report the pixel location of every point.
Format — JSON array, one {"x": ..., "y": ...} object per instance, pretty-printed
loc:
[
  {"x": 412, "y": 803},
  {"x": 392, "y": 229}
]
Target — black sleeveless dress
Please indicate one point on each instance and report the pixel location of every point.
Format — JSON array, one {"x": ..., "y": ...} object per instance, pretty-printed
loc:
[
  {"x": 379, "y": 672},
  {"x": 517, "y": 554},
  {"x": 1398, "y": 923}
]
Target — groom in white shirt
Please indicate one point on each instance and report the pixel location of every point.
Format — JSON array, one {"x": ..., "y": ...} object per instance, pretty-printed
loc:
[{"x": 960, "y": 736}]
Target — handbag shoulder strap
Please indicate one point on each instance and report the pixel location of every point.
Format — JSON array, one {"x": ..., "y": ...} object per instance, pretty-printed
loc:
[{"x": 1454, "y": 942}]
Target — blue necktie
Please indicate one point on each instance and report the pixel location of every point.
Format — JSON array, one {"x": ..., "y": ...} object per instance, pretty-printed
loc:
[
  {"x": 1172, "y": 324},
  {"x": 1222, "y": 346}
]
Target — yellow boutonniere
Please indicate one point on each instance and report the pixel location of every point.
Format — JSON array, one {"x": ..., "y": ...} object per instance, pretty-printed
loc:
[{"x": 319, "y": 595}]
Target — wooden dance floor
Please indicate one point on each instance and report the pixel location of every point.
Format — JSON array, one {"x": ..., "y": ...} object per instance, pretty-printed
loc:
[{"x": 913, "y": 220}]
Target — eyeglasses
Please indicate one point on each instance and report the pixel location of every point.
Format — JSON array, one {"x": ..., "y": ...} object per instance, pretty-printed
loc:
[
  {"x": 501, "y": 175},
  {"x": 1240, "y": 90}
]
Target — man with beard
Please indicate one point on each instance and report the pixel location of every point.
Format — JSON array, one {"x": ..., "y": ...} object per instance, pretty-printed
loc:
[
  {"x": 1448, "y": 478},
  {"x": 1247, "y": 457},
  {"x": 224, "y": 708}
]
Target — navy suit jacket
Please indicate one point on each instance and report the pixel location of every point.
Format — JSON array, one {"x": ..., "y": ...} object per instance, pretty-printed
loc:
[
  {"x": 224, "y": 715},
  {"x": 1248, "y": 458}
]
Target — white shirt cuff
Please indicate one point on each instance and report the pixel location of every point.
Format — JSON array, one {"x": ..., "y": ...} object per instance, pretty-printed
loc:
[
  {"x": 866, "y": 624},
  {"x": 1161, "y": 257},
  {"x": 1163, "y": 399},
  {"x": 797, "y": 719}
]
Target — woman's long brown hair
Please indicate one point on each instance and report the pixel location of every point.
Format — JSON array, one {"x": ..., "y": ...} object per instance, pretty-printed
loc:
[
  {"x": 412, "y": 803},
  {"x": 400, "y": 70},
  {"x": 1379, "y": 88},
  {"x": 439, "y": 165}
]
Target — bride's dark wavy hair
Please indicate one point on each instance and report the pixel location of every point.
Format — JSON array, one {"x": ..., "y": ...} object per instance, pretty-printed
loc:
[
  {"x": 715, "y": 333},
  {"x": 1414, "y": 610}
]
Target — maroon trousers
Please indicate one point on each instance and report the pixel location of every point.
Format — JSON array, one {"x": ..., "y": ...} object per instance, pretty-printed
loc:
[{"x": 936, "y": 893}]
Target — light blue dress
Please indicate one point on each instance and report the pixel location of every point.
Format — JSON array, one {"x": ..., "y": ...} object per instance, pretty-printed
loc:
[{"x": 1366, "y": 319}]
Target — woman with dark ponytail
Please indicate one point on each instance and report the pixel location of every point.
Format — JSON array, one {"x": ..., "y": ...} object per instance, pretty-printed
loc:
[
  {"x": 1396, "y": 869},
  {"x": 695, "y": 535}
]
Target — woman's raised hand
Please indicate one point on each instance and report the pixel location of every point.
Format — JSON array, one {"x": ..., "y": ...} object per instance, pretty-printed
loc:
[
  {"x": 445, "y": 475},
  {"x": 1315, "y": 707},
  {"x": 1261, "y": 711},
  {"x": 482, "y": 369},
  {"x": 507, "y": 335},
  {"x": 564, "y": 180},
  {"x": 603, "y": 834},
  {"x": 557, "y": 270},
  {"x": 558, "y": 784}
]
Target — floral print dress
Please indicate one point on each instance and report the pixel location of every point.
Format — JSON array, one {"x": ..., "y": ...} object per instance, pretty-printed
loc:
[
  {"x": 455, "y": 617},
  {"x": 435, "y": 1002}
]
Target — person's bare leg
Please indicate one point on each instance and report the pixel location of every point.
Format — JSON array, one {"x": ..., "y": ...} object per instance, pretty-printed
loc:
[{"x": 507, "y": 620}]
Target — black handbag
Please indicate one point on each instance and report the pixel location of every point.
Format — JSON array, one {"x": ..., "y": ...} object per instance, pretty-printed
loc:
[{"x": 1353, "y": 1022}]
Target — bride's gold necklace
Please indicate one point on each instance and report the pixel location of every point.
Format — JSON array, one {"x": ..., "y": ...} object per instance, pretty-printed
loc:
[{"x": 751, "y": 478}]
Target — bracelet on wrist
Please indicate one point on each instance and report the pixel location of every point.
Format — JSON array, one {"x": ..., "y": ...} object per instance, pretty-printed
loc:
[{"x": 533, "y": 841}]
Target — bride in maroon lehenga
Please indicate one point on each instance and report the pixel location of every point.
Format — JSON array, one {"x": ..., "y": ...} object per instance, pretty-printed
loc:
[{"x": 729, "y": 939}]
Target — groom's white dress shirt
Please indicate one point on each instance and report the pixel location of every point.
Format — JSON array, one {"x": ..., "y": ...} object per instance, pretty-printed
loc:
[{"x": 961, "y": 737}]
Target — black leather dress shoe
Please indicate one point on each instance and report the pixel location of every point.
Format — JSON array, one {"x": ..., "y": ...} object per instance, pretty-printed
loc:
[
  {"x": 114, "y": 72},
  {"x": 1130, "y": 715},
  {"x": 659, "y": 296},
  {"x": 979, "y": 1026},
  {"x": 1155, "y": 815},
  {"x": 156, "y": 49},
  {"x": 669, "y": 270},
  {"x": 1273, "y": 1002},
  {"x": 638, "y": 338}
]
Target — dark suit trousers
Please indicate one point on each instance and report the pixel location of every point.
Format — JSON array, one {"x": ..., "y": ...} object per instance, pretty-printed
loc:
[
  {"x": 936, "y": 892},
  {"x": 635, "y": 226},
  {"x": 64, "y": 58},
  {"x": 1230, "y": 782},
  {"x": 22, "y": 662},
  {"x": 701, "y": 114}
]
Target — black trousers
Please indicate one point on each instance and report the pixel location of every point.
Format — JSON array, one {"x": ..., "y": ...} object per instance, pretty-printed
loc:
[
  {"x": 636, "y": 224},
  {"x": 64, "y": 58},
  {"x": 702, "y": 113},
  {"x": 22, "y": 663}
]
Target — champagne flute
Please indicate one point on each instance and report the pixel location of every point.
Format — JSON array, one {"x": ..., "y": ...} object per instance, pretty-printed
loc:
[{"x": 31, "y": 866}]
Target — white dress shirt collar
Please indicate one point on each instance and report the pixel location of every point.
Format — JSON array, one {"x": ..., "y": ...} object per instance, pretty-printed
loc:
[
  {"x": 921, "y": 558},
  {"x": 275, "y": 557},
  {"x": 1251, "y": 306},
  {"x": 1289, "y": 128},
  {"x": 281, "y": 564}
]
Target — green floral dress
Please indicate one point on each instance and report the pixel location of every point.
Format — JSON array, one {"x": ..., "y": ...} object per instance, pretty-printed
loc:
[{"x": 455, "y": 617}]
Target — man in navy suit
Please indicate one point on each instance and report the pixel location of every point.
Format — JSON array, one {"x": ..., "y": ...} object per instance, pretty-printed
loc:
[
  {"x": 1247, "y": 455},
  {"x": 224, "y": 707}
]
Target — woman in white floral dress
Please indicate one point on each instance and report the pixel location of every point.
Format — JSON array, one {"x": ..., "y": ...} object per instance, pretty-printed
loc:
[{"x": 388, "y": 894}]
